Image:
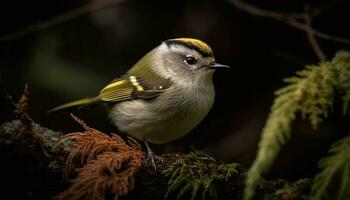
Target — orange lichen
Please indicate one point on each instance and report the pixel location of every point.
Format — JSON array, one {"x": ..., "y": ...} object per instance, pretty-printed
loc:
[{"x": 109, "y": 165}]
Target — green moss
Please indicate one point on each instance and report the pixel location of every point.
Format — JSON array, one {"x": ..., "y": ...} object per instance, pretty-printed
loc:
[
  {"x": 341, "y": 63},
  {"x": 309, "y": 93},
  {"x": 196, "y": 173},
  {"x": 335, "y": 174},
  {"x": 295, "y": 190}
]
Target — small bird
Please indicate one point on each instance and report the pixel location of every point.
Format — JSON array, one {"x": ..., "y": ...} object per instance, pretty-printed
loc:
[{"x": 164, "y": 95}]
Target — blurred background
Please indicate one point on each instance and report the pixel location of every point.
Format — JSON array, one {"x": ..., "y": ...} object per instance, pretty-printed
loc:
[{"x": 76, "y": 58}]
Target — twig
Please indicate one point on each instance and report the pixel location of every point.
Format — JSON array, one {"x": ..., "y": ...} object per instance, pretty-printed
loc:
[
  {"x": 303, "y": 27},
  {"x": 311, "y": 37},
  {"x": 262, "y": 12},
  {"x": 289, "y": 19},
  {"x": 78, "y": 12}
]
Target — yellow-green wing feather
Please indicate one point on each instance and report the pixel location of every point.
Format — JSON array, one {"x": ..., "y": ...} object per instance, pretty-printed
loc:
[
  {"x": 117, "y": 90},
  {"x": 81, "y": 102},
  {"x": 139, "y": 82}
]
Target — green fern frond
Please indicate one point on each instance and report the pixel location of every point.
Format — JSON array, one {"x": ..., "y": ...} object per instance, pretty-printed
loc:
[
  {"x": 196, "y": 186},
  {"x": 197, "y": 173},
  {"x": 183, "y": 190},
  {"x": 309, "y": 93},
  {"x": 342, "y": 64},
  {"x": 335, "y": 173}
]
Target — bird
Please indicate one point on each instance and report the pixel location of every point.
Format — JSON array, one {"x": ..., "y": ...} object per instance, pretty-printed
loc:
[{"x": 166, "y": 94}]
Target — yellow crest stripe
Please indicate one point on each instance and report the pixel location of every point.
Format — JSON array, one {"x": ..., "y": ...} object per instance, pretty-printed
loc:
[{"x": 195, "y": 43}]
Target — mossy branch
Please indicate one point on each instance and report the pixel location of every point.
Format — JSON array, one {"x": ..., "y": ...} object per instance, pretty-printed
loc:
[
  {"x": 194, "y": 173},
  {"x": 310, "y": 93},
  {"x": 335, "y": 171}
]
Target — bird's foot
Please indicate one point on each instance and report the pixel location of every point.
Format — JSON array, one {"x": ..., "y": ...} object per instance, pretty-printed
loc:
[{"x": 151, "y": 157}]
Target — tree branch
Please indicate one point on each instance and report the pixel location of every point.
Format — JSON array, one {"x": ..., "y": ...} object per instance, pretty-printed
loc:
[
  {"x": 27, "y": 163},
  {"x": 311, "y": 37},
  {"x": 291, "y": 19},
  {"x": 75, "y": 13}
]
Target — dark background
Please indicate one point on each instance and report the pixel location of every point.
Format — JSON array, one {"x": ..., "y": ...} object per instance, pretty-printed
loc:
[{"x": 75, "y": 59}]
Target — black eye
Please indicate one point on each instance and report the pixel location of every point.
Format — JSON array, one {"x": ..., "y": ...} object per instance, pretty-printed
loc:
[{"x": 190, "y": 60}]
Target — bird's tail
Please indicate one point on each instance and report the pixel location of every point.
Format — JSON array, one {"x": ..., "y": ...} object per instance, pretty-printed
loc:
[{"x": 78, "y": 103}]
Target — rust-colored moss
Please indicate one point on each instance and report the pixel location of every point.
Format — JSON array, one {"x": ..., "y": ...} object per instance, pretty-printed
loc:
[
  {"x": 27, "y": 125},
  {"x": 109, "y": 165},
  {"x": 22, "y": 106}
]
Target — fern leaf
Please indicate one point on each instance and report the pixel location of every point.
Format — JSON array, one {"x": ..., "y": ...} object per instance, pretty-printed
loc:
[
  {"x": 179, "y": 180},
  {"x": 342, "y": 63},
  {"x": 197, "y": 173},
  {"x": 196, "y": 185},
  {"x": 335, "y": 171},
  {"x": 212, "y": 192},
  {"x": 183, "y": 190},
  {"x": 310, "y": 93}
]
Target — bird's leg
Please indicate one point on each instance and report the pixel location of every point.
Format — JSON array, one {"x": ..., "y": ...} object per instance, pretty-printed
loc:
[{"x": 151, "y": 156}]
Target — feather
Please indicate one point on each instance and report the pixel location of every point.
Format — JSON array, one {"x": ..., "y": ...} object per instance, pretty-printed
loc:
[
  {"x": 81, "y": 102},
  {"x": 140, "y": 82}
]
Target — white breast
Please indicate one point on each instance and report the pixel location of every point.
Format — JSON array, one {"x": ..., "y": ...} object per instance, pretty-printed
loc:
[{"x": 167, "y": 117}]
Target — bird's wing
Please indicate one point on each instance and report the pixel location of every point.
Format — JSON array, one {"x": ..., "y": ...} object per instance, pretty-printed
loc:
[{"x": 131, "y": 87}]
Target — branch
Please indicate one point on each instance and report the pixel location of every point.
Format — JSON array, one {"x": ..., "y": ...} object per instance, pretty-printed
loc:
[
  {"x": 262, "y": 12},
  {"x": 311, "y": 37},
  {"x": 26, "y": 163},
  {"x": 75, "y": 13},
  {"x": 290, "y": 19}
]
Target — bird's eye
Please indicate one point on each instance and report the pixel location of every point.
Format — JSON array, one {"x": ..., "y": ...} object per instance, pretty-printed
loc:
[{"x": 190, "y": 60}]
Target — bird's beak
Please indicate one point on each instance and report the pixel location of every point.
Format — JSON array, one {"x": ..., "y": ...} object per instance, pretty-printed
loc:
[{"x": 218, "y": 66}]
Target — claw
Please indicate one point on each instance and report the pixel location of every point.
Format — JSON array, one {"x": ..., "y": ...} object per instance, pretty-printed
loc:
[{"x": 151, "y": 156}]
